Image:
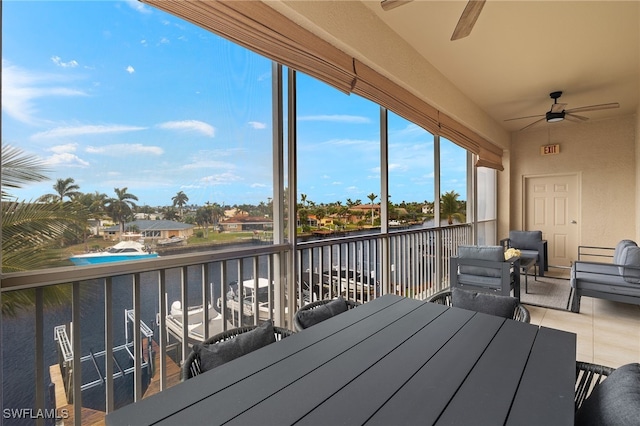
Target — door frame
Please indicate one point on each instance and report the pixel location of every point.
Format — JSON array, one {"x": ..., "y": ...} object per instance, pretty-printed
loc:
[{"x": 578, "y": 176}]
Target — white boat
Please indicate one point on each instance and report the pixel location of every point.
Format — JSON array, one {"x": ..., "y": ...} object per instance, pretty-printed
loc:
[
  {"x": 123, "y": 251},
  {"x": 171, "y": 241},
  {"x": 350, "y": 283},
  {"x": 195, "y": 318},
  {"x": 249, "y": 299}
]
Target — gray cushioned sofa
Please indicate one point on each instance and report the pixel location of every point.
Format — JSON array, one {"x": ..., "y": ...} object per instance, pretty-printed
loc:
[{"x": 618, "y": 281}]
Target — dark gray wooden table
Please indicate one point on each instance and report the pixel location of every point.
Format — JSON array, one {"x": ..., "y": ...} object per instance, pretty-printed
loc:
[{"x": 392, "y": 361}]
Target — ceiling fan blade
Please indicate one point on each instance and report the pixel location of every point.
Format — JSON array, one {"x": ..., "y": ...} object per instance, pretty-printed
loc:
[
  {"x": 392, "y": 4},
  {"x": 594, "y": 107},
  {"x": 528, "y": 116},
  {"x": 558, "y": 107},
  {"x": 535, "y": 122},
  {"x": 575, "y": 117},
  {"x": 468, "y": 19}
]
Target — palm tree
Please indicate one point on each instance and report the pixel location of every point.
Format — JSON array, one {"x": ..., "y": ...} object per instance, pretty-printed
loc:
[
  {"x": 451, "y": 207},
  {"x": 63, "y": 188},
  {"x": 121, "y": 207},
  {"x": 29, "y": 229},
  {"x": 180, "y": 199},
  {"x": 372, "y": 197}
]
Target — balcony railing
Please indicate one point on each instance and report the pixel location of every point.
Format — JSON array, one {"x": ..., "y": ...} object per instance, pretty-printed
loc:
[{"x": 213, "y": 290}]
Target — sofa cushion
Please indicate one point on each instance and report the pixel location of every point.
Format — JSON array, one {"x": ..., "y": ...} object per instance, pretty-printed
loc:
[
  {"x": 309, "y": 317},
  {"x": 488, "y": 253},
  {"x": 616, "y": 401},
  {"x": 492, "y": 304},
  {"x": 619, "y": 248},
  {"x": 525, "y": 240},
  {"x": 630, "y": 256},
  {"x": 215, "y": 354}
]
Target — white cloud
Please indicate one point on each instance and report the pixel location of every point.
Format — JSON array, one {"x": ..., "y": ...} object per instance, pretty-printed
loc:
[
  {"x": 258, "y": 185},
  {"x": 138, "y": 7},
  {"x": 130, "y": 69},
  {"x": 60, "y": 149},
  {"x": 220, "y": 179},
  {"x": 66, "y": 159},
  {"x": 58, "y": 61},
  {"x": 354, "y": 119},
  {"x": 393, "y": 167},
  {"x": 21, "y": 88},
  {"x": 190, "y": 125},
  {"x": 72, "y": 131},
  {"x": 257, "y": 125},
  {"x": 125, "y": 150}
]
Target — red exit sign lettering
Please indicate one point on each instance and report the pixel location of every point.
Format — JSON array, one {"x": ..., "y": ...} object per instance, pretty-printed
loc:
[{"x": 550, "y": 149}]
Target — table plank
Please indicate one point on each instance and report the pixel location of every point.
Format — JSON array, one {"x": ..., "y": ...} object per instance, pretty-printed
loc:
[
  {"x": 218, "y": 408},
  {"x": 548, "y": 381},
  {"x": 485, "y": 397},
  {"x": 153, "y": 409},
  {"x": 315, "y": 387},
  {"x": 427, "y": 393},
  {"x": 355, "y": 402}
]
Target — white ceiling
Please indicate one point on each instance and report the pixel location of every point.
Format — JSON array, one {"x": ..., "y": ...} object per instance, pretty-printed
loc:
[{"x": 520, "y": 51}]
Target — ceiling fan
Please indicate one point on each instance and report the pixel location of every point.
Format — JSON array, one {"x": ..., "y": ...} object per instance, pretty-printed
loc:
[
  {"x": 558, "y": 113},
  {"x": 465, "y": 23}
]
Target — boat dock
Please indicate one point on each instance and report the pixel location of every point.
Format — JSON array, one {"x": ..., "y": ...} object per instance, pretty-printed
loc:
[
  {"x": 96, "y": 418},
  {"x": 61, "y": 373}
]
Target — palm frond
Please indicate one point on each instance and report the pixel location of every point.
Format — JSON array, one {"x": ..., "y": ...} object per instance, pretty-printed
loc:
[
  {"x": 29, "y": 230},
  {"x": 19, "y": 168}
]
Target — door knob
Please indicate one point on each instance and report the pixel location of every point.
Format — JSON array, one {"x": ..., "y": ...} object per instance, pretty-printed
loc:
[{"x": 574, "y": 222}]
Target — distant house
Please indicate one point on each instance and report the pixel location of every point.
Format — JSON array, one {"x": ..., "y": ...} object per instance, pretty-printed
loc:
[
  {"x": 367, "y": 209},
  {"x": 247, "y": 223},
  {"x": 148, "y": 216},
  {"x": 149, "y": 229}
]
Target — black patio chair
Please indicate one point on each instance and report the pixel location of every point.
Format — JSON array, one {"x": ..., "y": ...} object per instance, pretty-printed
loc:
[
  {"x": 327, "y": 306},
  {"x": 521, "y": 313},
  {"x": 192, "y": 364},
  {"x": 588, "y": 377}
]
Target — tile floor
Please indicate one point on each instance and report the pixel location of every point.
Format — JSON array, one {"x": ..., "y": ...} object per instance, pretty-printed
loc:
[{"x": 608, "y": 332}]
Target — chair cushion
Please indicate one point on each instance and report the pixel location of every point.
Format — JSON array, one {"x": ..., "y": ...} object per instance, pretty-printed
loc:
[
  {"x": 309, "y": 317},
  {"x": 623, "y": 244},
  {"x": 213, "y": 355},
  {"x": 616, "y": 401},
  {"x": 630, "y": 256},
  {"x": 492, "y": 304},
  {"x": 489, "y": 253},
  {"x": 528, "y": 240}
]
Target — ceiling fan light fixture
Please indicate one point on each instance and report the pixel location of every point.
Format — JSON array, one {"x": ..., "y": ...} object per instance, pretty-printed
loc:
[{"x": 553, "y": 117}]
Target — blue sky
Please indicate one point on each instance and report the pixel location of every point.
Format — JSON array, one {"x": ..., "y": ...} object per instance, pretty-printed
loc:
[{"x": 118, "y": 94}]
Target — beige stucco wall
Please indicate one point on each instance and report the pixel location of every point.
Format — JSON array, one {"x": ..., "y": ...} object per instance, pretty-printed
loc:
[
  {"x": 356, "y": 30},
  {"x": 603, "y": 153}
]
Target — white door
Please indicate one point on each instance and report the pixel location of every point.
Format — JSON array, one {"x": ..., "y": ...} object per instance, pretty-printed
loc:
[{"x": 552, "y": 206}]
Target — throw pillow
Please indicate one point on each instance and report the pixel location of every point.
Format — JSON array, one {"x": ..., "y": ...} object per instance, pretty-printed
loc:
[
  {"x": 492, "y": 304},
  {"x": 487, "y": 253},
  {"x": 630, "y": 256},
  {"x": 309, "y": 317},
  {"x": 215, "y": 354},
  {"x": 616, "y": 401},
  {"x": 623, "y": 244}
]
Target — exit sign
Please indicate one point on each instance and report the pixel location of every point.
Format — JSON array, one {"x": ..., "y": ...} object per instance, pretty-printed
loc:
[{"x": 550, "y": 149}]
